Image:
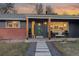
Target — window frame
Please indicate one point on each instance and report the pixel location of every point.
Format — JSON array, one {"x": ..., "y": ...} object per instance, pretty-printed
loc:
[{"x": 7, "y": 26}]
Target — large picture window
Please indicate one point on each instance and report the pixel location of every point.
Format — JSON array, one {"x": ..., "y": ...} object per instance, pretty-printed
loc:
[
  {"x": 13, "y": 24},
  {"x": 59, "y": 26}
]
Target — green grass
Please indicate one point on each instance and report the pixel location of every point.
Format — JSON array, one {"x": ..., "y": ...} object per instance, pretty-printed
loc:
[
  {"x": 69, "y": 48},
  {"x": 13, "y": 49}
]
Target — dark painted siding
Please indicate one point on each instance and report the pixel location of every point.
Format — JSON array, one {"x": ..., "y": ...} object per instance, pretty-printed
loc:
[
  {"x": 30, "y": 29},
  {"x": 22, "y": 24},
  {"x": 2, "y": 24},
  {"x": 74, "y": 29}
]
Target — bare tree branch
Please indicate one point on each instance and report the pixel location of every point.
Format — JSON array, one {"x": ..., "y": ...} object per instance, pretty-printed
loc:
[
  {"x": 9, "y": 8},
  {"x": 39, "y": 8}
]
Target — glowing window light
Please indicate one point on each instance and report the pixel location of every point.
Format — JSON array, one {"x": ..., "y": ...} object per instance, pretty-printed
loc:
[
  {"x": 51, "y": 26},
  {"x": 65, "y": 25},
  {"x": 14, "y": 22}
]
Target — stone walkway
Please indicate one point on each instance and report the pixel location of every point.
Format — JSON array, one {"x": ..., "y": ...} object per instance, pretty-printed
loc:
[{"x": 42, "y": 49}]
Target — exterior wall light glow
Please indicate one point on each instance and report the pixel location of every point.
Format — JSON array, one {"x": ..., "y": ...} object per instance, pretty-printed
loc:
[
  {"x": 39, "y": 24},
  {"x": 45, "y": 23}
]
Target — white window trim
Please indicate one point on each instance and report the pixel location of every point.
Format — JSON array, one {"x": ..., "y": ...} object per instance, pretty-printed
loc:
[{"x": 19, "y": 26}]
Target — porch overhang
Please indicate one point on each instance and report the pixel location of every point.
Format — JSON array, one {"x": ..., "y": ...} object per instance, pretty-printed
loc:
[
  {"x": 12, "y": 18},
  {"x": 54, "y": 17},
  {"x": 23, "y": 17}
]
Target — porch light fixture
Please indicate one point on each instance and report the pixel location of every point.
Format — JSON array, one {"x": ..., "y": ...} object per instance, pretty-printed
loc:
[
  {"x": 39, "y": 24},
  {"x": 45, "y": 23}
]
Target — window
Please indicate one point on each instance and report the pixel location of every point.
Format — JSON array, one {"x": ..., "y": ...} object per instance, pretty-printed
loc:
[
  {"x": 58, "y": 26},
  {"x": 13, "y": 24}
]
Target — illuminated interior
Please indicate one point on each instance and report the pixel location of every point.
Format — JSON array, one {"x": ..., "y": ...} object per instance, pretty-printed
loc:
[{"x": 58, "y": 26}]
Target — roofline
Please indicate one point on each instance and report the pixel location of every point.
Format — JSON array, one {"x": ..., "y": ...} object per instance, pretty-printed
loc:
[
  {"x": 12, "y": 18},
  {"x": 54, "y": 16},
  {"x": 38, "y": 15},
  {"x": 23, "y": 16}
]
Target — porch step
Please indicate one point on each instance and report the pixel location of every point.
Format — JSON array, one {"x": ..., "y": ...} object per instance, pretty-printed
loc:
[{"x": 39, "y": 37}]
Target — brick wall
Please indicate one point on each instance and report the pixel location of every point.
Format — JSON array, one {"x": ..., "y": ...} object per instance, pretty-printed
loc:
[{"x": 12, "y": 33}]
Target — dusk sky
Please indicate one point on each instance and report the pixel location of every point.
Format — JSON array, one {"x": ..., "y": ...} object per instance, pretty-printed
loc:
[{"x": 60, "y": 8}]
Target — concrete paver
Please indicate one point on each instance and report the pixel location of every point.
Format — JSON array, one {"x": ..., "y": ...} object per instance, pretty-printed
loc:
[
  {"x": 42, "y": 49},
  {"x": 42, "y": 54}
]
